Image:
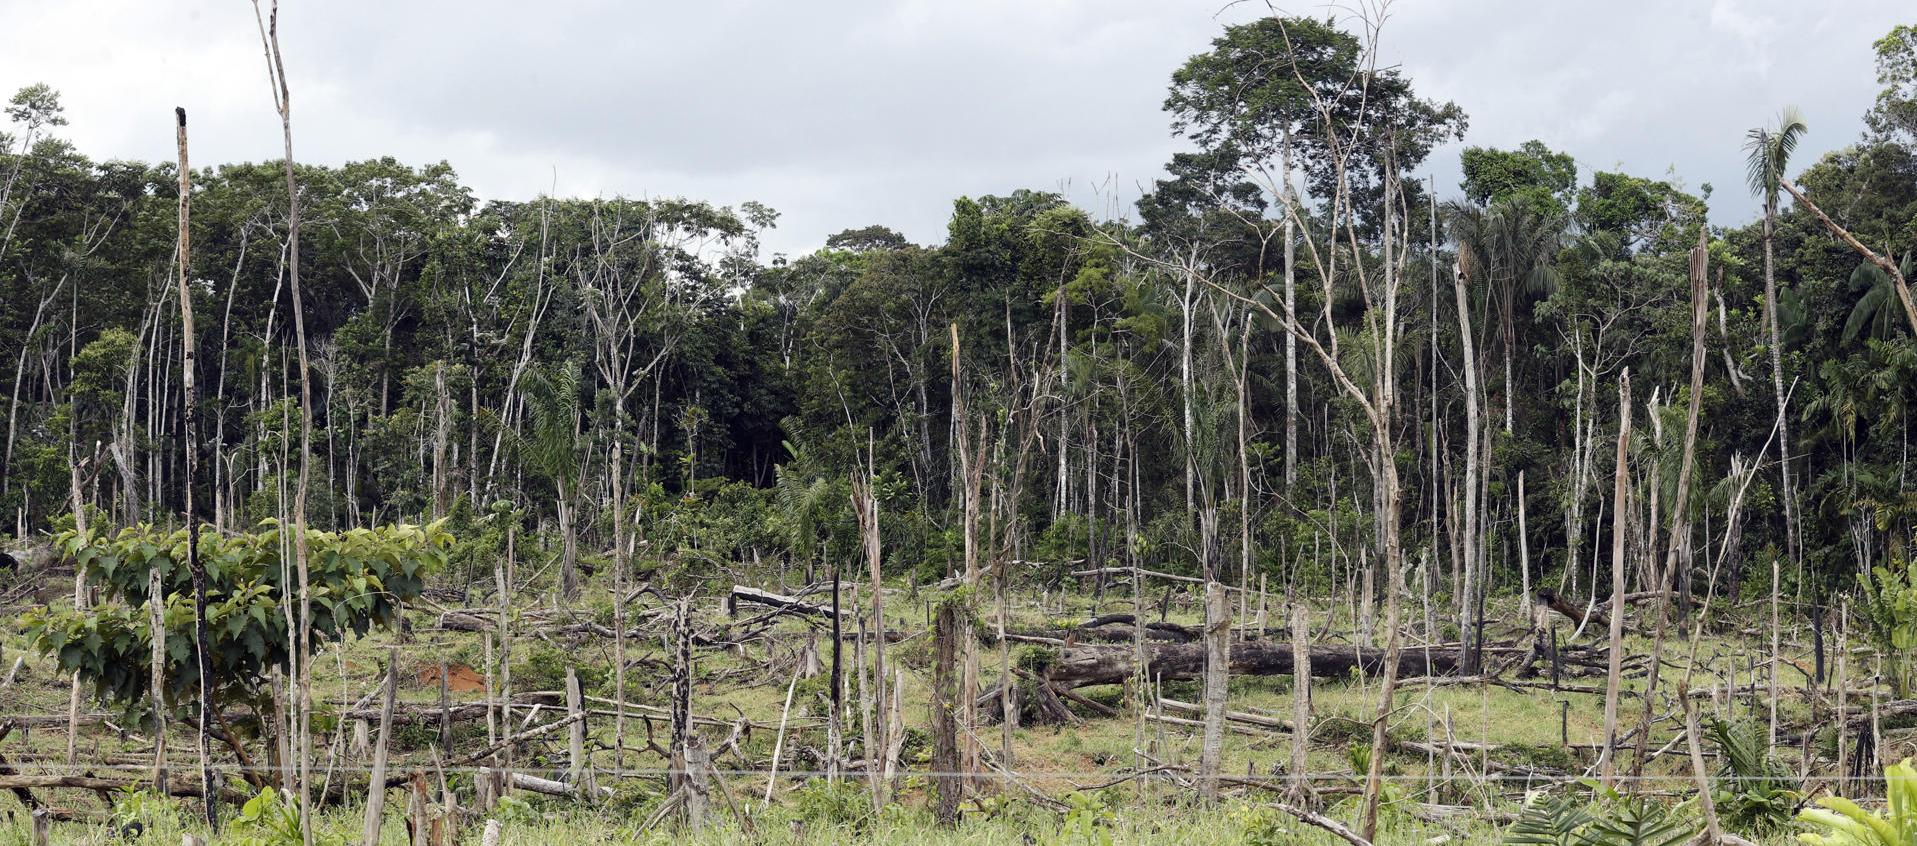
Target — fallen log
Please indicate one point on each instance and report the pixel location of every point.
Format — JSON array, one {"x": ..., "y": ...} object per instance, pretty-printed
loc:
[
  {"x": 1078, "y": 666},
  {"x": 409, "y": 713},
  {"x": 792, "y": 604},
  {"x": 1269, "y": 724},
  {"x": 1550, "y": 599},
  {"x": 175, "y": 787},
  {"x": 548, "y": 787},
  {"x": 1118, "y": 628}
]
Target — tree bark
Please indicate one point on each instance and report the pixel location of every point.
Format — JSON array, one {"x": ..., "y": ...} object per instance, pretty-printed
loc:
[
  {"x": 1472, "y": 539},
  {"x": 376, "y": 786},
  {"x": 945, "y": 704},
  {"x": 1217, "y": 679},
  {"x": 1620, "y": 515},
  {"x": 202, "y": 658},
  {"x": 302, "y": 639}
]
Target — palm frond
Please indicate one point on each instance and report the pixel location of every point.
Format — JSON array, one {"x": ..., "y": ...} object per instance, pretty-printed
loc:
[{"x": 1767, "y": 152}]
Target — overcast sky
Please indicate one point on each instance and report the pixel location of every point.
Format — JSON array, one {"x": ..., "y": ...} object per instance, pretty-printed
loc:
[{"x": 843, "y": 113}]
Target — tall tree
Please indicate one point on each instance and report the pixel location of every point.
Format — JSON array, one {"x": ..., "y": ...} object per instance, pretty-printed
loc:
[{"x": 1767, "y": 154}]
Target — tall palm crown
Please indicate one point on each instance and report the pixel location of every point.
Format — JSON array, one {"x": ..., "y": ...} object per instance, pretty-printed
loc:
[
  {"x": 1509, "y": 244},
  {"x": 1768, "y": 152}
]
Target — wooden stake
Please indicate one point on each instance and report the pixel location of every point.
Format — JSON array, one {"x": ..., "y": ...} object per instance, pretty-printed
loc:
[
  {"x": 579, "y": 769},
  {"x": 376, "y": 788},
  {"x": 1300, "y": 703},
  {"x": 1217, "y": 677},
  {"x": 778, "y": 742}
]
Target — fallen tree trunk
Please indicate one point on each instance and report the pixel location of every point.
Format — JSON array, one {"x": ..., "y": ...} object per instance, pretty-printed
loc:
[
  {"x": 175, "y": 787},
  {"x": 408, "y": 713},
  {"x": 548, "y": 787},
  {"x": 1078, "y": 666},
  {"x": 793, "y": 604}
]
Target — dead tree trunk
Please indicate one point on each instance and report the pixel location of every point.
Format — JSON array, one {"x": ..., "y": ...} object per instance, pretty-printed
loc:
[
  {"x": 1607, "y": 770},
  {"x": 945, "y": 752},
  {"x": 376, "y": 788},
  {"x": 1300, "y": 703},
  {"x": 202, "y": 659},
  {"x": 1090, "y": 664},
  {"x": 1471, "y": 537},
  {"x": 301, "y": 640},
  {"x": 1217, "y": 677},
  {"x": 1677, "y": 546}
]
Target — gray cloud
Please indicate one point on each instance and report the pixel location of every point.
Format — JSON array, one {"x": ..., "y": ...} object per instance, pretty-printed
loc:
[{"x": 852, "y": 112}]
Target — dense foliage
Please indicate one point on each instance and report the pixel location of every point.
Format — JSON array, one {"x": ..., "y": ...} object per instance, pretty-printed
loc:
[
  {"x": 468, "y": 352},
  {"x": 357, "y": 580}
]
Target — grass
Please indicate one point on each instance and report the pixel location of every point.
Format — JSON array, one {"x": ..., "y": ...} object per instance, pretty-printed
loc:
[{"x": 1527, "y": 724}]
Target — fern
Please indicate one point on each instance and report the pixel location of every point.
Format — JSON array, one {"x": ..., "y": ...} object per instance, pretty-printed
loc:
[
  {"x": 1548, "y": 822},
  {"x": 1614, "y": 821},
  {"x": 1755, "y": 792}
]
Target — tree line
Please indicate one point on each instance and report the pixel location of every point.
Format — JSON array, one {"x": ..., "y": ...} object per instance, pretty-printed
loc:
[
  {"x": 1298, "y": 363},
  {"x": 1132, "y": 388}
]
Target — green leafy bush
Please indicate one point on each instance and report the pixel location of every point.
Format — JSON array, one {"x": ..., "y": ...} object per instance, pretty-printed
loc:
[
  {"x": 269, "y": 819},
  {"x": 357, "y": 581},
  {"x": 1088, "y": 822},
  {"x": 1890, "y": 604},
  {"x": 1842, "y": 823}
]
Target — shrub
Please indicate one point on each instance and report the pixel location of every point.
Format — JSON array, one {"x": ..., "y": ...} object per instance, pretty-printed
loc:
[{"x": 1843, "y": 823}]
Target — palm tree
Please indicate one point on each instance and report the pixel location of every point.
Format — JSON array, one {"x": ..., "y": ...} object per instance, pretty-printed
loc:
[
  {"x": 552, "y": 448},
  {"x": 1508, "y": 245},
  {"x": 1767, "y": 154},
  {"x": 1873, "y": 315}
]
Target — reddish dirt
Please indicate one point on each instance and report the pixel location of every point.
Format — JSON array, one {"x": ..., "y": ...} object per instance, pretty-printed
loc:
[{"x": 459, "y": 678}]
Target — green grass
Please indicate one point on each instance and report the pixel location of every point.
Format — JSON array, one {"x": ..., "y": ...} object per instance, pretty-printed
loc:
[{"x": 1054, "y": 759}]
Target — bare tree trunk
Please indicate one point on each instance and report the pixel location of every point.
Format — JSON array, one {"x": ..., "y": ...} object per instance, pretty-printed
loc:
[
  {"x": 1774, "y": 657},
  {"x": 303, "y": 641},
  {"x": 879, "y": 739},
  {"x": 1777, "y": 382},
  {"x": 1189, "y": 430},
  {"x": 19, "y": 371},
  {"x": 1713, "y": 835},
  {"x": 945, "y": 696},
  {"x": 1300, "y": 702},
  {"x": 680, "y": 757},
  {"x": 972, "y": 472},
  {"x": 443, "y": 411},
  {"x": 1217, "y": 678},
  {"x": 578, "y": 765},
  {"x": 1679, "y": 542},
  {"x": 619, "y": 598},
  {"x": 502, "y": 577},
  {"x": 1291, "y": 341},
  {"x": 1472, "y": 539},
  {"x": 203, "y": 659},
  {"x": 80, "y": 604},
  {"x": 836, "y": 703},
  {"x": 1524, "y": 551},
  {"x": 1620, "y": 518},
  {"x": 376, "y": 787}
]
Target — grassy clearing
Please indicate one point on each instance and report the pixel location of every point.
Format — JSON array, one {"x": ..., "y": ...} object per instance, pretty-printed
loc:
[{"x": 1528, "y": 725}]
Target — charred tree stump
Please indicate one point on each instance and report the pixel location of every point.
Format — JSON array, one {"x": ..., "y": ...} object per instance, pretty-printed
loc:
[{"x": 945, "y": 752}]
